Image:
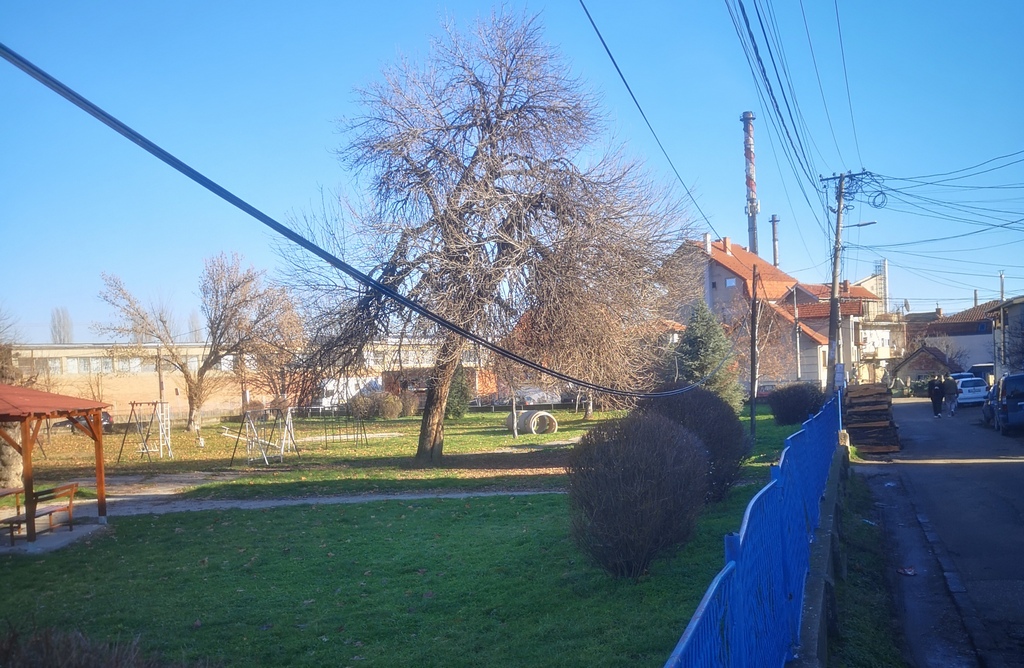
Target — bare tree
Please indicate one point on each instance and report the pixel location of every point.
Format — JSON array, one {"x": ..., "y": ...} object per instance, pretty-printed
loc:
[
  {"x": 490, "y": 199},
  {"x": 62, "y": 330},
  {"x": 272, "y": 363},
  {"x": 237, "y": 309}
]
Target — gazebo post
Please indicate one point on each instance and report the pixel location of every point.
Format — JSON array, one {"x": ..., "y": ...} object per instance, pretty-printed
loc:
[
  {"x": 26, "y": 478},
  {"x": 101, "y": 483}
]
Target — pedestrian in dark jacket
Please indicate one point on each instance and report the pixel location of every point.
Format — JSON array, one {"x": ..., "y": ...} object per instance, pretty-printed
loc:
[{"x": 935, "y": 394}]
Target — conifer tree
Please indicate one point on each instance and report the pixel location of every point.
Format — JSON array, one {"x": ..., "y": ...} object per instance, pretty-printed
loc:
[{"x": 700, "y": 353}]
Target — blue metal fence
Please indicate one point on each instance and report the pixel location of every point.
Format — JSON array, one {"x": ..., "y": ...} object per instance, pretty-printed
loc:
[{"x": 750, "y": 615}]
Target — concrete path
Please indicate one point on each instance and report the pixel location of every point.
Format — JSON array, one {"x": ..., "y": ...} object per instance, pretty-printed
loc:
[{"x": 953, "y": 506}]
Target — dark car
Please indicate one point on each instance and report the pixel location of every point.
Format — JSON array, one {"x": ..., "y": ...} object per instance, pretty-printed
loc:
[
  {"x": 106, "y": 421},
  {"x": 1009, "y": 408},
  {"x": 988, "y": 409}
]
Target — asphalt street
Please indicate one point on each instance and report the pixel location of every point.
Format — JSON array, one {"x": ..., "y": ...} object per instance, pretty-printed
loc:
[{"x": 952, "y": 503}]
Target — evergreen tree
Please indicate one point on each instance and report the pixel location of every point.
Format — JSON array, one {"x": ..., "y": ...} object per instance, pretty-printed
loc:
[
  {"x": 459, "y": 395},
  {"x": 700, "y": 353}
]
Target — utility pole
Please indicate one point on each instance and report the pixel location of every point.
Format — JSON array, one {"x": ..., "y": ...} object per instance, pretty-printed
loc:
[
  {"x": 833, "y": 302},
  {"x": 796, "y": 333},
  {"x": 753, "y": 353},
  {"x": 833, "y": 313}
]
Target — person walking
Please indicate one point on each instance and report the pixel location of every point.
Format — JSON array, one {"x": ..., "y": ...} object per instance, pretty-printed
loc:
[
  {"x": 949, "y": 394},
  {"x": 935, "y": 394}
]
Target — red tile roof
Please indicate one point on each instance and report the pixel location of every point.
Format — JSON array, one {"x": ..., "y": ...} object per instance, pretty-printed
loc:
[
  {"x": 972, "y": 314},
  {"x": 823, "y": 309},
  {"x": 772, "y": 282},
  {"x": 787, "y": 315}
]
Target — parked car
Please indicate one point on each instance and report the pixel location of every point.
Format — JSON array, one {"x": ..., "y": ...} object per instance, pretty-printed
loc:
[
  {"x": 972, "y": 391},
  {"x": 988, "y": 408},
  {"x": 1009, "y": 413},
  {"x": 960, "y": 375},
  {"x": 105, "y": 420}
]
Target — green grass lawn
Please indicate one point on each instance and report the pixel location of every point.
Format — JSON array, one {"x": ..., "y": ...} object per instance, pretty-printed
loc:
[{"x": 485, "y": 580}]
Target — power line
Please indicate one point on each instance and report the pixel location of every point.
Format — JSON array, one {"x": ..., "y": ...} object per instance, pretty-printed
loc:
[
  {"x": 150, "y": 147},
  {"x": 644, "y": 115}
]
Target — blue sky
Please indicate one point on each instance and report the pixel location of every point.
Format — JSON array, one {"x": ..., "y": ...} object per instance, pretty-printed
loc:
[{"x": 248, "y": 93}]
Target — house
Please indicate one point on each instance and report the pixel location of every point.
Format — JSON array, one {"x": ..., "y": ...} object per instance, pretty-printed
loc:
[
  {"x": 728, "y": 293},
  {"x": 966, "y": 336},
  {"x": 922, "y": 365},
  {"x": 1008, "y": 335}
]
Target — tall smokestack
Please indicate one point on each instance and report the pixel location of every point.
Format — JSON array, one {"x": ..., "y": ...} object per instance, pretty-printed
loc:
[
  {"x": 753, "y": 207},
  {"x": 775, "y": 240}
]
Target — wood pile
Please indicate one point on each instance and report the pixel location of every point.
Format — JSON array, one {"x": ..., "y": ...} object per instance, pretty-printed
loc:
[{"x": 867, "y": 418}]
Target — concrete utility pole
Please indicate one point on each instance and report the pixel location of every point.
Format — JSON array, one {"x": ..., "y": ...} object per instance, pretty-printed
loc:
[
  {"x": 796, "y": 332},
  {"x": 833, "y": 302},
  {"x": 753, "y": 207},
  {"x": 833, "y": 313}
]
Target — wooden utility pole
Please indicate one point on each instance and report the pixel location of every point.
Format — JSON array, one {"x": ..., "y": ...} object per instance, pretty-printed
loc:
[{"x": 753, "y": 353}]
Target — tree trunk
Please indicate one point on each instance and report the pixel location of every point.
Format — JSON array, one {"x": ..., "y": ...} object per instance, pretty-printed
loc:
[
  {"x": 10, "y": 460},
  {"x": 588, "y": 412},
  {"x": 431, "y": 444}
]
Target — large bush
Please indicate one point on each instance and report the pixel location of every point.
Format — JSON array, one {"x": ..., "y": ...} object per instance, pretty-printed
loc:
[
  {"x": 715, "y": 422},
  {"x": 636, "y": 488},
  {"x": 793, "y": 404},
  {"x": 375, "y": 404}
]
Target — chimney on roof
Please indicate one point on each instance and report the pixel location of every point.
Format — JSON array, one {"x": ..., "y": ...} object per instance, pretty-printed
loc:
[
  {"x": 975, "y": 297},
  {"x": 846, "y": 287},
  {"x": 727, "y": 245},
  {"x": 938, "y": 311},
  {"x": 707, "y": 243}
]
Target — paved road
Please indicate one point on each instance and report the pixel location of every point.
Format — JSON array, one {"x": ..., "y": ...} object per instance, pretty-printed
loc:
[{"x": 953, "y": 504}]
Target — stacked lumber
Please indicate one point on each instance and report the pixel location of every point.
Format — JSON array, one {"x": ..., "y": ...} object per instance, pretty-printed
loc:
[{"x": 867, "y": 418}]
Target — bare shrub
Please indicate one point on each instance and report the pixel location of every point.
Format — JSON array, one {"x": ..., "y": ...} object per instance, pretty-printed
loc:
[
  {"x": 636, "y": 488},
  {"x": 389, "y": 406},
  {"x": 70, "y": 649},
  {"x": 792, "y": 404},
  {"x": 714, "y": 421},
  {"x": 361, "y": 406},
  {"x": 410, "y": 403}
]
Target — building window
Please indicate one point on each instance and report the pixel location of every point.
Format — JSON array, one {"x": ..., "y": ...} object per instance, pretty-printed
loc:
[
  {"x": 730, "y": 282},
  {"x": 714, "y": 285}
]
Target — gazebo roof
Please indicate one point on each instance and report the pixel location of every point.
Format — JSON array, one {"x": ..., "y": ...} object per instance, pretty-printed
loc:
[{"x": 19, "y": 403}]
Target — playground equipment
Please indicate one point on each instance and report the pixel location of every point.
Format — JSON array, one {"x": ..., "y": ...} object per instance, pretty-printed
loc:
[
  {"x": 268, "y": 434},
  {"x": 159, "y": 414}
]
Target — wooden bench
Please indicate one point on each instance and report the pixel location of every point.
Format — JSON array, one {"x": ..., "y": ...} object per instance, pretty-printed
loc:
[{"x": 49, "y": 502}]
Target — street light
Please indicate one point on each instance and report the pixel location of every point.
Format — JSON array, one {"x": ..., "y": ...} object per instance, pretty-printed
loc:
[{"x": 833, "y": 312}]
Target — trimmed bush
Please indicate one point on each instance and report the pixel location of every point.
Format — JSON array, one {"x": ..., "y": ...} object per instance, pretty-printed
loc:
[
  {"x": 793, "y": 404},
  {"x": 716, "y": 424},
  {"x": 636, "y": 488},
  {"x": 389, "y": 406},
  {"x": 410, "y": 403}
]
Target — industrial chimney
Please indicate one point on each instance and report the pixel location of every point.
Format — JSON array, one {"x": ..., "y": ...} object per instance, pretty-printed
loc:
[{"x": 753, "y": 207}]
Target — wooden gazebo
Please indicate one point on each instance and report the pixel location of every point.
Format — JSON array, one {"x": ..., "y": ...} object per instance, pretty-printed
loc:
[{"x": 29, "y": 408}]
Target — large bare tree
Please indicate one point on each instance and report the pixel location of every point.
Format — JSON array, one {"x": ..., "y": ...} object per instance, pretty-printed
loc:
[
  {"x": 490, "y": 198},
  {"x": 238, "y": 310}
]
